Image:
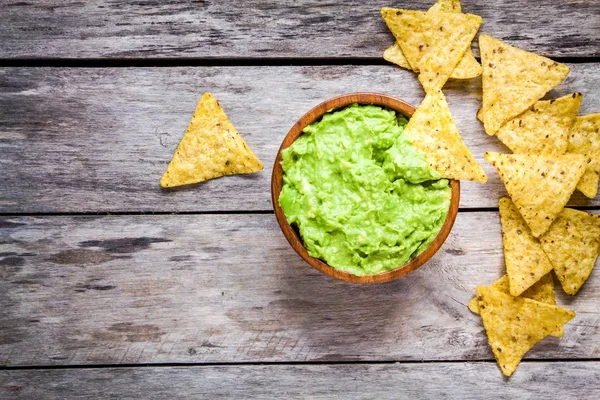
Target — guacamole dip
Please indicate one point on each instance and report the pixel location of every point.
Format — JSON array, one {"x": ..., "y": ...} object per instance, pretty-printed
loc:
[{"x": 362, "y": 197}]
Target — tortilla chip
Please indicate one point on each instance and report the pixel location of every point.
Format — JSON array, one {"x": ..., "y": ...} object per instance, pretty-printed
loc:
[
  {"x": 572, "y": 244},
  {"x": 447, "y": 6},
  {"x": 467, "y": 67},
  {"x": 513, "y": 80},
  {"x": 588, "y": 184},
  {"x": 433, "y": 132},
  {"x": 515, "y": 324},
  {"x": 526, "y": 262},
  {"x": 540, "y": 186},
  {"x": 211, "y": 147},
  {"x": 433, "y": 42},
  {"x": 542, "y": 291},
  {"x": 394, "y": 55},
  {"x": 544, "y": 128},
  {"x": 584, "y": 138}
]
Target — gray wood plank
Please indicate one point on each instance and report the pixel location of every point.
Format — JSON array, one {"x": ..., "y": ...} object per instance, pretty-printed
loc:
[
  {"x": 533, "y": 380},
  {"x": 273, "y": 28},
  {"x": 229, "y": 288},
  {"x": 98, "y": 140}
]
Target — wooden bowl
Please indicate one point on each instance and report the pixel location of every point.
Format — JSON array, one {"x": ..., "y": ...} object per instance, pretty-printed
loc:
[{"x": 292, "y": 235}]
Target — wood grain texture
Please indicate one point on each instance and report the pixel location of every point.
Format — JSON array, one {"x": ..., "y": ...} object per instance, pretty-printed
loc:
[
  {"x": 533, "y": 380},
  {"x": 98, "y": 140},
  {"x": 269, "y": 29},
  {"x": 229, "y": 288}
]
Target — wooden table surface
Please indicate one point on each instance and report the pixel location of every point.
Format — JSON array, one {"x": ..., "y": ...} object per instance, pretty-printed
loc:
[{"x": 110, "y": 286}]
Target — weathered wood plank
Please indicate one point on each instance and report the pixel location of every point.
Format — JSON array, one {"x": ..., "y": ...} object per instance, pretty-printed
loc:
[
  {"x": 533, "y": 380},
  {"x": 228, "y": 288},
  {"x": 98, "y": 140},
  {"x": 273, "y": 28}
]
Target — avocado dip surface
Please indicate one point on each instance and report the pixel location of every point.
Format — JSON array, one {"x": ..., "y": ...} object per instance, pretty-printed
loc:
[{"x": 362, "y": 197}]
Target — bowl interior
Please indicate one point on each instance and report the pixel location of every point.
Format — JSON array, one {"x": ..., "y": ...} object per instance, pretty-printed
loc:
[{"x": 293, "y": 236}]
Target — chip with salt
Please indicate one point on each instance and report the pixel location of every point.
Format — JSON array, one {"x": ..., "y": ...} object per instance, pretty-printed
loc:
[
  {"x": 432, "y": 131},
  {"x": 542, "y": 291},
  {"x": 572, "y": 244},
  {"x": 540, "y": 186},
  {"x": 515, "y": 324},
  {"x": 467, "y": 67},
  {"x": 433, "y": 42},
  {"x": 513, "y": 80},
  {"x": 211, "y": 147},
  {"x": 584, "y": 138},
  {"x": 544, "y": 128},
  {"x": 526, "y": 262}
]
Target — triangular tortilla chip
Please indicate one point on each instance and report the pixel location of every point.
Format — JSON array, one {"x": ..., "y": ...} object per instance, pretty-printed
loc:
[
  {"x": 467, "y": 67},
  {"x": 544, "y": 128},
  {"x": 211, "y": 147},
  {"x": 513, "y": 80},
  {"x": 572, "y": 244},
  {"x": 540, "y": 186},
  {"x": 542, "y": 291},
  {"x": 515, "y": 324},
  {"x": 433, "y": 42},
  {"x": 432, "y": 131},
  {"x": 526, "y": 262},
  {"x": 584, "y": 138}
]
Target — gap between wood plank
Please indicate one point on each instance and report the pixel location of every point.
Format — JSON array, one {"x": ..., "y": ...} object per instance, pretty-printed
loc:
[
  {"x": 243, "y": 212},
  {"x": 283, "y": 363},
  {"x": 216, "y": 62}
]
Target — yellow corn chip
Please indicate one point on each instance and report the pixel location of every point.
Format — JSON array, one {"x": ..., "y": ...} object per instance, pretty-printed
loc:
[
  {"x": 433, "y": 132},
  {"x": 433, "y": 42},
  {"x": 572, "y": 244},
  {"x": 540, "y": 186},
  {"x": 394, "y": 55},
  {"x": 211, "y": 147},
  {"x": 513, "y": 80},
  {"x": 447, "y": 6},
  {"x": 542, "y": 291},
  {"x": 544, "y": 128},
  {"x": 526, "y": 262},
  {"x": 514, "y": 324},
  {"x": 584, "y": 138},
  {"x": 588, "y": 184},
  {"x": 467, "y": 67}
]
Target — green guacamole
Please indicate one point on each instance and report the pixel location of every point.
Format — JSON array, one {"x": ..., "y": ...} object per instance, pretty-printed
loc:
[{"x": 362, "y": 197}]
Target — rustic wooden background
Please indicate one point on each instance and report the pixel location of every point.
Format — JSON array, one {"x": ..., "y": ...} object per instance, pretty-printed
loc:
[{"x": 110, "y": 286}]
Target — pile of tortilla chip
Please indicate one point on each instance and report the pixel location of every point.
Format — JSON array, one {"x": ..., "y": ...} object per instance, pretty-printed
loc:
[
  {"x": 569, "y": 247},
  {"x": 554, "y": 152},
  {"x": 520, "y": 308},
  {"x": 437, "y": 44}
]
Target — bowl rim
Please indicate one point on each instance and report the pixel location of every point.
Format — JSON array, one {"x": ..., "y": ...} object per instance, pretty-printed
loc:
[{"x": 294, "y": 238}]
